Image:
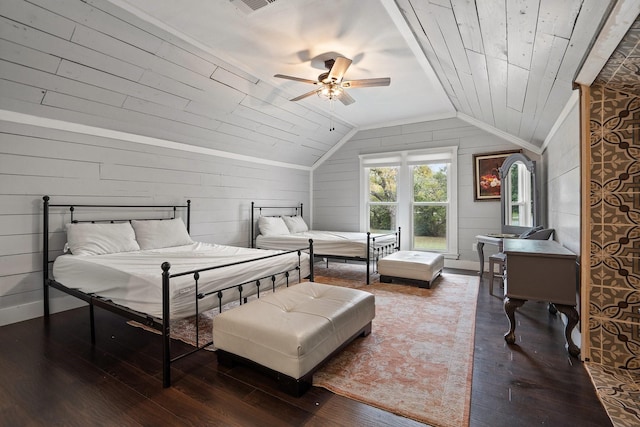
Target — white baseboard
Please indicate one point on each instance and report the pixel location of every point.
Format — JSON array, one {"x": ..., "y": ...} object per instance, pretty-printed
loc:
[
  {"x": 464, "y": 264},
  {"x": 20, "y": 313},
  {"x": 35, "y": 309}
]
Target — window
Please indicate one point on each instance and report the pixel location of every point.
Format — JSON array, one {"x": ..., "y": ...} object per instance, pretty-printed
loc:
[
  {"x": 519, "y": 203},
  {"x": 415, "y": 190},
  {"x": 430, "y": 203},
  {"x": 383, "y": 198}
]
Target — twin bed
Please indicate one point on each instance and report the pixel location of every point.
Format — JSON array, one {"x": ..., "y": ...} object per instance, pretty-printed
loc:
[
  {"x": 149, "y": 270},
  {"x": 139, "y": 261},
  {"x": 289, "y": 232}
]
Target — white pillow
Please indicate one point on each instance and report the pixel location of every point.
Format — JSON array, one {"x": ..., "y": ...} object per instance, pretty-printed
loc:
[
  {"x": 98, "y": 239},
  {"x": 295, "y": 224},
  {"x": 156, "y": 234},
  {"x": 272, "y": 226}
]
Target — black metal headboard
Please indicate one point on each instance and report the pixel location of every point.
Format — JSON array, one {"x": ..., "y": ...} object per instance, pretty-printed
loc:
[
  {"x": 297, "y": 209},
  {"x": 73, "y": 210}
]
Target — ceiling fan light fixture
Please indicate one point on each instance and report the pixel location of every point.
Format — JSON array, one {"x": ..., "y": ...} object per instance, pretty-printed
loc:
[
  {"x": 330, "y": 91},
  {"x": 331, "y": 84}
]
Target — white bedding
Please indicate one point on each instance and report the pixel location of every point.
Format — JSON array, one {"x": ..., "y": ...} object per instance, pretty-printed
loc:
[
  {"x": 134, "y": 279},
  {"x": 336, "y": 243}
]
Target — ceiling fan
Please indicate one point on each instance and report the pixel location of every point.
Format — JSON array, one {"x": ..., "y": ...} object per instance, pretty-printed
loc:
[{"x": 331, "y": 84}]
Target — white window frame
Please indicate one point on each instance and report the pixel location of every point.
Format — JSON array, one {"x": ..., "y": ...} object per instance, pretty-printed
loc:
[
  {"x": 524, "y": 204},
  {"x": 405, "y": 160},
  {"x": 369, "y": 203}
]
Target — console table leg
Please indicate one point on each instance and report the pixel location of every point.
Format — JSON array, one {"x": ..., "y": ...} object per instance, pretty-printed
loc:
[
  {"x": 572, "y": 321},
  {"x": 480, "y": 247},
  {"x": 510, "y": 306}
]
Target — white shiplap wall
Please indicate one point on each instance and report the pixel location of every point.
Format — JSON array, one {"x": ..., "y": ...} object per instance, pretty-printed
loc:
[
  {"x": 80, "y": 168},
  {"x": 562, "y": 180},
  {"x": 336, "y": 198},
  {"x": 93, "y": 63}
]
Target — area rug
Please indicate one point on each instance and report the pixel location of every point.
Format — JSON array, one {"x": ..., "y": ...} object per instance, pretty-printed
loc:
[{"x": 418, "y": 360}]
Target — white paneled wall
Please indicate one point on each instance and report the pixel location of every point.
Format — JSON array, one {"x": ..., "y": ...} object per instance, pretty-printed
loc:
[
  {"x": 80, "y": 168},
  {"x": 90, "y": 62},
  {"x": 562, "y": 158},
  {"x": 336, "y": 197}
]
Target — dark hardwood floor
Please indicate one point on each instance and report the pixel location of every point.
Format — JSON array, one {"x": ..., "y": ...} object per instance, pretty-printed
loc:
[{"x": 51, "y": 375}]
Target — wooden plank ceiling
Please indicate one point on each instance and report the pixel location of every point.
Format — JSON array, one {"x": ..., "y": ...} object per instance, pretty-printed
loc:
[
  {"x": 92, "y": 63},
  {"x": 508, "y": 64}
]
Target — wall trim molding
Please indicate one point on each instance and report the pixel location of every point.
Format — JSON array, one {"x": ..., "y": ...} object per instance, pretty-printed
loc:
[
  {"x": 498, "y": 132},
  {"x": 571, "y": 103},
  {"x": 28, "y": 119},
  {"x": 393, "y": 9},
  {"x": 333, "y": 149},
  {"x": 618, "y": 22}
]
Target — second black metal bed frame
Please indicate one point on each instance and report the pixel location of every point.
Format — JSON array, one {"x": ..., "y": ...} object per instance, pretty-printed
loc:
[
  {"x": 160, "y": 324},
  {"x": 374, "y": 250}
]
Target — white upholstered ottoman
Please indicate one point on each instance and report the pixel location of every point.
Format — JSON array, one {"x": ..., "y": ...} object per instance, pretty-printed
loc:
[
  {"x": 424, "y": 267},
  {"x": 293, "y": 331}
]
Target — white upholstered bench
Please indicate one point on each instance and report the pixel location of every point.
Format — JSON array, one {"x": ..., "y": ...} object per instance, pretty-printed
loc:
[
  {"x": 291, "y": 332},
  {"x": 423, "y": 267}
]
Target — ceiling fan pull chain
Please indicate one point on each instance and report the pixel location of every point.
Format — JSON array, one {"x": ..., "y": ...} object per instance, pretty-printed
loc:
[{"x": 331, "y": 125}]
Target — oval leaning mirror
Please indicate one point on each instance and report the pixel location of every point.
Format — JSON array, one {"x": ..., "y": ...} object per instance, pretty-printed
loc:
[{"x": 518, "y": 195}]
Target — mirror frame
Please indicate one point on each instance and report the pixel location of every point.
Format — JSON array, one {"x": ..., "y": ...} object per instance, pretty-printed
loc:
[{"x": 504, "y": 172}]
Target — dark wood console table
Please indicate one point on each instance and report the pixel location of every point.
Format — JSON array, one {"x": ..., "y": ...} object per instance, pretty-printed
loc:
[{"x": 541, "y": 270}]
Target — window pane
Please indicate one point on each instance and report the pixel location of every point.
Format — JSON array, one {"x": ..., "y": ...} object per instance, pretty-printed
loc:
[
  {"x": 383, "y": 184},
  {"x": 515, "y": 185},
  {"x": 430, "y": 183},
  {"x": 430, "y": 228},
  {"x": 382, "y": 218},
  {"x": 515, "y": 215}
]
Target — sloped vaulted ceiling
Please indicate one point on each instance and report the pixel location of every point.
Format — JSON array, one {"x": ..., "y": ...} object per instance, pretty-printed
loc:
[
  {"x": 509, "y": 64},
  {"x": 200, "y": 73}
]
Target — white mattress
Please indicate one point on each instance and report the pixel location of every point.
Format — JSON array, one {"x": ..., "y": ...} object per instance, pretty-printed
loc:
[
  {"x": 134, "y": 279},
  {"x": 336, "y": 243}
]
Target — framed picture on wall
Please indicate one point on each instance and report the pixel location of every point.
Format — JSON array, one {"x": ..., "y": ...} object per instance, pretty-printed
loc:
[{"x": 486, "y": 174}]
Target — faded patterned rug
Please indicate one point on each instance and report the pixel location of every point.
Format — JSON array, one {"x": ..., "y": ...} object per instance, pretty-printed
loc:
[{"x": 418, "y": 360}]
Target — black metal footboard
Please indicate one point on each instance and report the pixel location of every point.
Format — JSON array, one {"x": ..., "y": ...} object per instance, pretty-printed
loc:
[
  {"x": 161, "y": 324},
  {"x": 377, "y": 246},
  {"x": 165, "y": 329},
  {"x": 375, "y": 250}
]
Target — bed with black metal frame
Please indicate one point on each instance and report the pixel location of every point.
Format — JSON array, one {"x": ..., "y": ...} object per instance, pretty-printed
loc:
[
  {"x": 162, "y": 324},
  {"x": 377, "y": 245}
]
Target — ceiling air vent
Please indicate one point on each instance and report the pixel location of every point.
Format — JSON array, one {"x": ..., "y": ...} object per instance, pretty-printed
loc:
[{"x": 249, "y": 6}]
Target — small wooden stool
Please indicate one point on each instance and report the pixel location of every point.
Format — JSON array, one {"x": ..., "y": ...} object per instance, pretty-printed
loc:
[{"x": 498, "y": 259}]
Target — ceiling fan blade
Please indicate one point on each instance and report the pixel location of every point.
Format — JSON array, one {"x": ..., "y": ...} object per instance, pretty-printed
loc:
[
  {"x": 305, "y": 95},
  {"x": 297, "y": 79},
  {"x": 383, "y": 81},
  {"x": 340, "y": 67},
  {"x": 345, "y": 98}
]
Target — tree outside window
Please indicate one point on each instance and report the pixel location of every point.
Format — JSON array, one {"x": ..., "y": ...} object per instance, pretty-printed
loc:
[
  {"x": 383, "y": 198},
  {"x": 430, "y": 200},
  {"x": 415, "y": 190}
]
